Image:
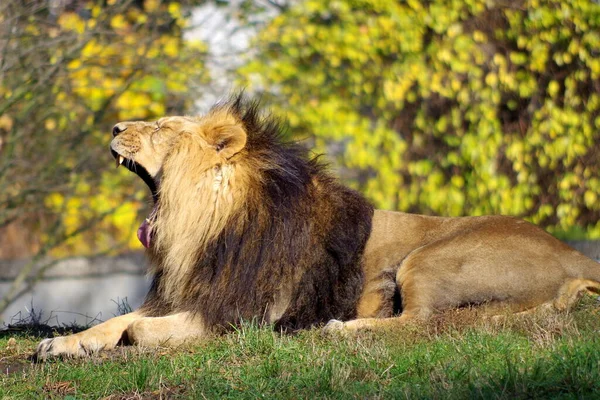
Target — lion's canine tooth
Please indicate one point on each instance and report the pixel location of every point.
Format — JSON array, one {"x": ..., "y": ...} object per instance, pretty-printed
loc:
[{"x": 120, "y": 160}]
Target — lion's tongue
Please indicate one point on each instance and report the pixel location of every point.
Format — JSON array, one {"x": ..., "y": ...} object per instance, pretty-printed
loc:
[{"x": 144, "y": 233}]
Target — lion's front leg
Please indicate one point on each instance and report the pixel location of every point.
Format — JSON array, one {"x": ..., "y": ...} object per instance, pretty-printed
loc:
[
  {"x": 172, "y": 330},
  {"x": 103, "y": 336}
]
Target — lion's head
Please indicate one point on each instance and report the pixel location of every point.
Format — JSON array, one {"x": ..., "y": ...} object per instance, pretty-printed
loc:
[
  {"x": 155, "y": 149},
  {"x": 187, "y": 162}
]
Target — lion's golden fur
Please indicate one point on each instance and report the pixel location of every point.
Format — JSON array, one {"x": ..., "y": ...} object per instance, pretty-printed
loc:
[{"x": 198, "y": 196}]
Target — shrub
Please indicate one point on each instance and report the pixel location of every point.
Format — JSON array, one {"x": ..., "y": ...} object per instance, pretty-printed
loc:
[{"x": 447, "y": 107}]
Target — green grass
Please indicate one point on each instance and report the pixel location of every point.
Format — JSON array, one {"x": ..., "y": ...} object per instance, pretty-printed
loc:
[{"x": 457, "y": 355}]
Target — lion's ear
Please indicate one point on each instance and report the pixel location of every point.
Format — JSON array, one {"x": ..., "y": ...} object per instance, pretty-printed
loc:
[{"x": 228, "y": 140}]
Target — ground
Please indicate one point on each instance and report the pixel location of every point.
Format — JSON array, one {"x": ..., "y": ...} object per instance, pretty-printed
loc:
[{"x": 455, "y": 355}]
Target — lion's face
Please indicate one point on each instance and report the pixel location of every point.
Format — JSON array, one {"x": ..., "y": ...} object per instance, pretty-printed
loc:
[{"x": 146, "y": 144}]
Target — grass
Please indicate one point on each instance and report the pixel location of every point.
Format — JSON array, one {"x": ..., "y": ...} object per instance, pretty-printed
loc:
[{"x": 456, "y": 355}]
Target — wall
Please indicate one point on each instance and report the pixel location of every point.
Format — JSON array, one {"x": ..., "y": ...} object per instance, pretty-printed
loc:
[{"x": 78, "y": 290}]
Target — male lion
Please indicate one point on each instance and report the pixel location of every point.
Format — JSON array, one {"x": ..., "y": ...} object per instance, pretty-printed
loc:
[{"x": 246, "y": 226}]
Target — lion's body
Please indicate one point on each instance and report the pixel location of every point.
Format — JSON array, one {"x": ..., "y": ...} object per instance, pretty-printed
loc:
[
  {"x": 273, "y": 254},
  {"x": 245, "y": 226},
  {"x": 442, "y": 263}
]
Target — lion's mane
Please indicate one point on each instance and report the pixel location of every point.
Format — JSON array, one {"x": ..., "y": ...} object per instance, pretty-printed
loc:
[{"x": 279, "y": 232}]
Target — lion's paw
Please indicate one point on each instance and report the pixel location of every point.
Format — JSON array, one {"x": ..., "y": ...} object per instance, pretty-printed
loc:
[
  {"x": 62, "y": 346},
  {"x": 334, "y": 326}
]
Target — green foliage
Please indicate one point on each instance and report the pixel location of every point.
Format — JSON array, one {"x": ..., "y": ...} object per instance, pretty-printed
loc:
[
  {"x": 447, "y": 107},
  {"x": 70, "y": 73}
]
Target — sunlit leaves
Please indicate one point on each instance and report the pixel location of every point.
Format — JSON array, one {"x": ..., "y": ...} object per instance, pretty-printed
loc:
[
  {"x": 135, "y": 70},
  {"x": 447, "y": 107},
  {"x": 67, "y": 77}
]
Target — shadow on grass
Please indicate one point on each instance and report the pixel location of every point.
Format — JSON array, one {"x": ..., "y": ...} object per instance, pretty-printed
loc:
[{"x": 38, "y": 330}]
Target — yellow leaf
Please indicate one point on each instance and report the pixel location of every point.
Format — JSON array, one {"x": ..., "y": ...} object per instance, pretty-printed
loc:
[
  {"x": 118, "y": 22},
  {"x": 175, "y": 10},
  {"x": 75, "y": 64},
  {"x": 590, "y": 198},
  {"x": 50, "y": 124},
  {"x": 151, "y": 5},
  {"x": 171, "y": 47},
  {"x": 6, "y": 122},
  {"x": 71, "y": 22}
]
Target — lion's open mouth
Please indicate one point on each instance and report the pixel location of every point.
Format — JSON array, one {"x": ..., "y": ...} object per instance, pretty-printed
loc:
[{"x": 144, "y": 232}]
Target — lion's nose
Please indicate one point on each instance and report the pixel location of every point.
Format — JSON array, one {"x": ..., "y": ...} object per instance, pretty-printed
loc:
[{"x": 118, "y": 128}]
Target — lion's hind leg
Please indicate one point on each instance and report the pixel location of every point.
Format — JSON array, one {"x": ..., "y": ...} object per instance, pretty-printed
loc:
[
  {"x": 567, "y": 296},
  {"x": 421, "y": 294},
  {"x": 572, "y": 290},
  {"x": 418, "y": 304}
]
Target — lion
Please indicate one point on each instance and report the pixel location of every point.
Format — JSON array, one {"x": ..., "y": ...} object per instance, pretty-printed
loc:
[{"x": 247, "y": 226}]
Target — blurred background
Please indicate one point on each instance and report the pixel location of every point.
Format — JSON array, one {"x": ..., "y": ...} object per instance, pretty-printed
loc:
[{"x": 442, "y": 107}]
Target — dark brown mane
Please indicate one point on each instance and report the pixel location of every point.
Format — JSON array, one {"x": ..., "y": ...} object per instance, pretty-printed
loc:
[{"x": 300, "y": 233}]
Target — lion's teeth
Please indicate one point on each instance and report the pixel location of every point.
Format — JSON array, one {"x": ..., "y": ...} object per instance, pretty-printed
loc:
[{"x": 121, "y": 159}]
